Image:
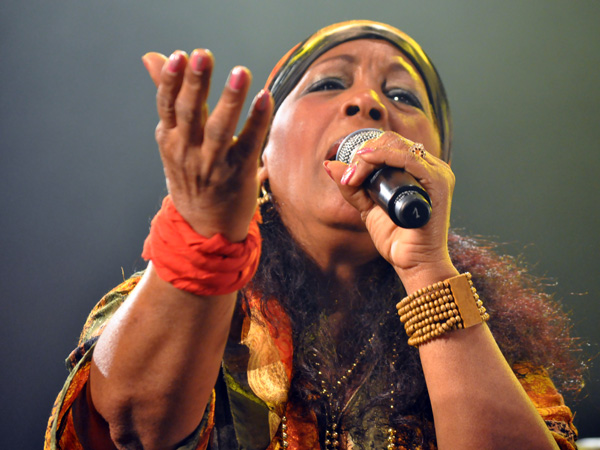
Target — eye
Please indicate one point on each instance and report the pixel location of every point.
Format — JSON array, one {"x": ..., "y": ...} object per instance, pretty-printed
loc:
[
  {"x": 326, "y": 84},
  {"x": 403, "y": 96}
]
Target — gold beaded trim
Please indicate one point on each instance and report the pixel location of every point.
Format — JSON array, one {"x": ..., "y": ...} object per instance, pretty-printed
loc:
[{"x": 448, "y": 305}]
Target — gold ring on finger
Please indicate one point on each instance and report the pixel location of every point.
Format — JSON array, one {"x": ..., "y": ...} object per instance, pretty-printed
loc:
[{"x": 418, "y": 149}]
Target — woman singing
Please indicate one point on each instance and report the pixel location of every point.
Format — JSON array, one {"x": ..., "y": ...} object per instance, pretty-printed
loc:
[{"x": 312, "y": 320}]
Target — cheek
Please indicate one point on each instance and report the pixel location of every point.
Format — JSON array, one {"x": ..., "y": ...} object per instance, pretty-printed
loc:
[
  {"x": 295, "y": 133},
  {"x": 283, "y": 157},
  {"x": 420, "y": 129},
  {"x": 275, "y": 147},
  {"x": 284, "y": 132},
  {"x": 305, "y": 117},
  {"x": 432, "y": 143}
]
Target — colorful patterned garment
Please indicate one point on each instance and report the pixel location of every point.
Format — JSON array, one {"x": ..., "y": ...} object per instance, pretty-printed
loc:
[{"x": 250, "y": 397}]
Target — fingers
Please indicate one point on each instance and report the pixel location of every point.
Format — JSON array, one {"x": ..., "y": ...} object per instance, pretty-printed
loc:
[
  {"x": 394, "y": 151},
  {"x": 183, "y": 88},
  {"x": 389, "y": 150},
  {"x": 355, "y": 195},
  {"x": 191, "y": 109},
  {"x": 186, "y": 130},
  {"x": 154, "y": 63},
  {"x": 220, "y": 126},
  {"x": 171, "y": 77},
  {"x": 252, "y": 137}
]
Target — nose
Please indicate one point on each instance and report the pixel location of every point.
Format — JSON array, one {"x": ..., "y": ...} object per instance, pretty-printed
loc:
[{"x": 365, "y": 102}]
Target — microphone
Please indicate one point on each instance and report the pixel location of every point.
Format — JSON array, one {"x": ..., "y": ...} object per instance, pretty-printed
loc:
[{"x": 397, "y": 192}]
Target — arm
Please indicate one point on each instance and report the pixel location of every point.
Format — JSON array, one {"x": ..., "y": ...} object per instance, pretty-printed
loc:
[
  {"x": 156, "y": 362},
  {"x": 476, "y": 399}
]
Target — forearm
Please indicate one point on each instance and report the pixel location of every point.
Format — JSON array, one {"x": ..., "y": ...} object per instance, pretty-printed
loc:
[
  {"x": 156, "y": 363},
  {"x": 476, "y": 399}
]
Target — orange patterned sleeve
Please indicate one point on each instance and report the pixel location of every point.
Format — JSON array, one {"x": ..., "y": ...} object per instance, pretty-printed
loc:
[
  {"x": 549, "y": 402},
  {"x": 60, "y": 433}
]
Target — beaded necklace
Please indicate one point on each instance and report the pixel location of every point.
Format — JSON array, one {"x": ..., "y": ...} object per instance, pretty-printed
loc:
[{"x": 334, "y": 412}]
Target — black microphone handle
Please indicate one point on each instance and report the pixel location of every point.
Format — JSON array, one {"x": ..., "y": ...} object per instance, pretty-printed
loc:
[{"x": 400, "y": 195}]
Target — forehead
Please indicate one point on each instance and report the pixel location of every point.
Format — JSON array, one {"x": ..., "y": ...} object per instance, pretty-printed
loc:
[
  {"x": 376, "y": 54},
  {"x": 360, "y": 50}
]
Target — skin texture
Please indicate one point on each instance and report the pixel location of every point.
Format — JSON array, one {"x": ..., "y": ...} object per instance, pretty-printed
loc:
[{"x": 150, "y": 381}]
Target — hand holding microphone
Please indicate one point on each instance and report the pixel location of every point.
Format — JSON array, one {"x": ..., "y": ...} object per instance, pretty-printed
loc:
[{"x": 397, "y": 192}]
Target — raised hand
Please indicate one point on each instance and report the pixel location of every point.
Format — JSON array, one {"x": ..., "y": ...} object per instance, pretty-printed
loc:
[{"x": 211, "y": 174}]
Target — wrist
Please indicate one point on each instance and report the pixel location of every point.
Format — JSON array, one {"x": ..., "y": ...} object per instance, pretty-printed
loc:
[
  {"x": 431, "y": 311},
  {"x": 193, "y": 263},
  {"x": 426, "y": 274}
]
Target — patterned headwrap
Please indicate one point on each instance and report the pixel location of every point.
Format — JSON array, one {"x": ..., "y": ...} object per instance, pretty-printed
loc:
[{"x": 291, "y": 67}]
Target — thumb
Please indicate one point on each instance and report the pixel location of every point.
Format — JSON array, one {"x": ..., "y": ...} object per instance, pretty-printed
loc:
[{"x": 154, "y": 62}]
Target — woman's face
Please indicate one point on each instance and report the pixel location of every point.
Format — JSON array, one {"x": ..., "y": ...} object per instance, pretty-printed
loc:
[{"x": 357, "y": 84}]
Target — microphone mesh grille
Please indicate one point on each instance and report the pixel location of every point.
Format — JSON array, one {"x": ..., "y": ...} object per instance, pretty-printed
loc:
[{"x": 354, "y": 141}]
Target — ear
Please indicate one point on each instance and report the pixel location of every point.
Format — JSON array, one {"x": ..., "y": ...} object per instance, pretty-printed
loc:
[{"x": 263, "y": 172}]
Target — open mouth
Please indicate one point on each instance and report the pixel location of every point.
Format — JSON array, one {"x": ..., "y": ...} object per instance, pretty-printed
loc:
[{"x": 333, "y": 149}]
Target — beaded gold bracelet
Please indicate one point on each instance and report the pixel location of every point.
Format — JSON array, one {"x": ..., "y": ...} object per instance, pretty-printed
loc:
[{"x": 448, "y": 305}]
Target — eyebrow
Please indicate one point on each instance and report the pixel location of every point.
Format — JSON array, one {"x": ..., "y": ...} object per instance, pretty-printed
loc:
[
  {"x": 346, "y": 58},
  {"x": 398, "y": 64},
  {"x": 404, "y": 66}
]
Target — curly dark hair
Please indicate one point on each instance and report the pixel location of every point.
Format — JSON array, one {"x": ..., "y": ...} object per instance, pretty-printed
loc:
[{"x": 527, "y": 323}]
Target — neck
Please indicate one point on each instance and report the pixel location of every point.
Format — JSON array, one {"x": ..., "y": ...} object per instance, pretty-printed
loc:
[
  {"x": 342, "y": 254},
  {"x": 316, "y": 273}
]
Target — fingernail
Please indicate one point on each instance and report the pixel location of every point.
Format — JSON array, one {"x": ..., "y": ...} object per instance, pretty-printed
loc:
[
  {"x": 348, "y": 174},
  {"x": 144, "y": 59},
  {"x": 262, "y": 100},
  {"x": 365, "y": 150},
  {"x": 327, "y": 169},
  {"x": 237, "y": 78},
  {"x": 175, "y": 62},
  {"x": 199, "y": 62}
]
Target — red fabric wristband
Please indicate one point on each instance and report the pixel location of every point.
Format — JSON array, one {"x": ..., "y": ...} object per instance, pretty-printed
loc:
[{"x": 196, "y": 264}]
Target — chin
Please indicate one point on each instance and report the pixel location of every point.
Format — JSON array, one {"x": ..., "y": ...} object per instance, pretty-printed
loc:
[
  {"x": 346, "y": 217},
  {"x": 336, "y": 212}
]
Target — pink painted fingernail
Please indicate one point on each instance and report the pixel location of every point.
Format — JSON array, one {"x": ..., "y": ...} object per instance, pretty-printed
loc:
[
  {"x": 365, "y": 150},
  {"x": 348, "y": 174},
  {"x": 237, "y": 78},
  {"x": 199, "y": 62},
  {"x": 327, "y": 169},
  {"x": 175, "y": 62},
  {"x": 262, "y": 100}
]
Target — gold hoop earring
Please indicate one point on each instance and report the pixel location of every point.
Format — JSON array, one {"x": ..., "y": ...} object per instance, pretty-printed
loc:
[{"x": 265, "y": 196}]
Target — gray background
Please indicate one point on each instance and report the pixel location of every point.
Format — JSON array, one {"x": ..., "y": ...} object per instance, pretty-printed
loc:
[{"x": 81, "y": 177}]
